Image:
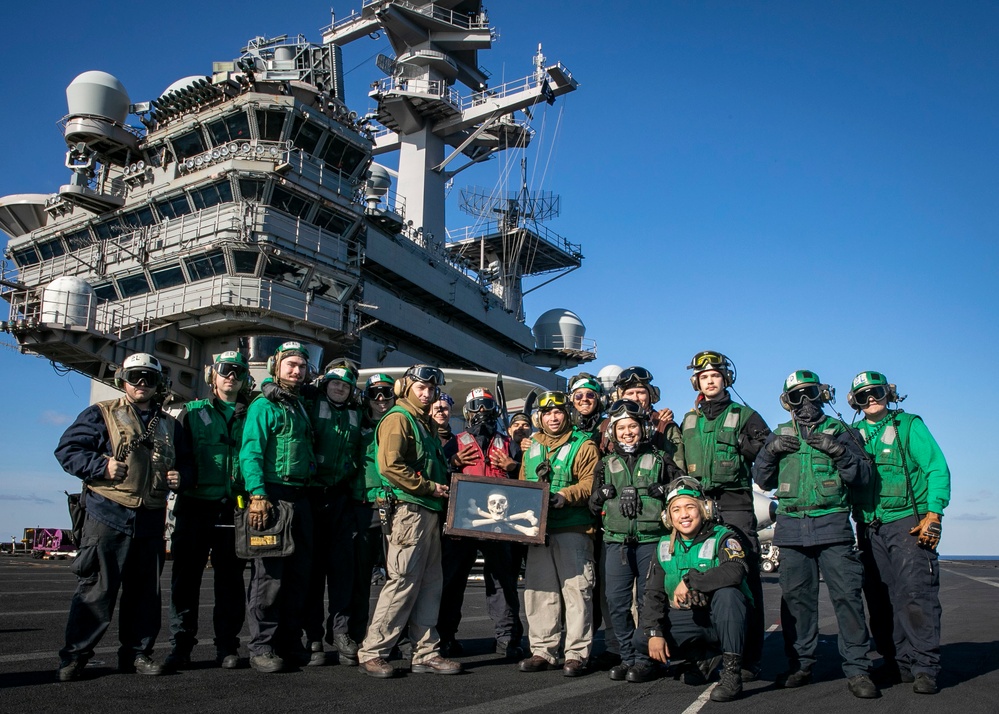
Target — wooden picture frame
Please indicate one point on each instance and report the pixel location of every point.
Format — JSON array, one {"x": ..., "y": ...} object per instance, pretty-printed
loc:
[{"x": 476, "y": 508}]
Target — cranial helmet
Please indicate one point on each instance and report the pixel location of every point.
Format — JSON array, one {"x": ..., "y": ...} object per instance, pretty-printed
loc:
[
  {"x": 709, "y": 361},
  {"x": 627, "y": 409},
  {"x": 480, "y": 403},
  {"x": 336, "y": 371},
  {"x": 691, "y": 488},
  {"x": 283, "y": 352},
  {"x": 140, "y": 366},
  {"x": 867, "y": 385},
  {"x": 546, "y": 402},
  {"x": 420, "y": 373},
  {"x": 804, "y": 385},
  {"x": 230, "y": 362}
]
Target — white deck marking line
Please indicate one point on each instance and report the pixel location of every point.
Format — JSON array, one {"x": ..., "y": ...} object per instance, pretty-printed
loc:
[
  {"x": 987, "y": 581},
  {"x": 541, "y": 697}
]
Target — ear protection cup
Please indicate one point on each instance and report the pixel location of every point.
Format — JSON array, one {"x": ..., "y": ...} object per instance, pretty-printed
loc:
[
  {"x": 271, "y": 366},
  {"x": 208, "y": 375},
  {"x": 653, "y": 394},
  {"x": 399, "y": 388},
  {"x": 727, "y": 376},
  {"x": 827, "y": 394},
  {"x": 118, "y": 381},
  {"x": 709, "y": 511},
  {"x": 536, "y": 420}
]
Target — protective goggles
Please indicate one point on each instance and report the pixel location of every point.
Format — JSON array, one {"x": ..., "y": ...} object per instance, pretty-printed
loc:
[
  {"x": 380, "y": 393},
  {"x": 552, "y": 400},
  {"x": 426, "y": 373},
  {"x": 227, "y": 369},
  {"x": 581, "y": 395},
  {"x": 628, "y": 407},
  {"x": 799, "y": 396},
  {"x": 141, "y": 377},
  {"x": 863, "y": 397},
  {"x": 707, "y": 360},
  {"x": 482, "y": 404},
  {"x": 634, "y": 374}
]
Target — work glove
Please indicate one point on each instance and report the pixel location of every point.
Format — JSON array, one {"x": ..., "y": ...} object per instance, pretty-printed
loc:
[
  {"x": 698, "y": 599},
  {"x": 657, "y": 490},
  {"x": 556, "y": 500},
  {"x": 630, "y": 505},
  {"x": 275, "y": 393},
  {"x": 826, "y": 444},
  {"x": 599, "y": 496},
  {"x": 259, "y": 513},
  {"x": 783, "y": 444},
  {"x": 928, "y": 531}
]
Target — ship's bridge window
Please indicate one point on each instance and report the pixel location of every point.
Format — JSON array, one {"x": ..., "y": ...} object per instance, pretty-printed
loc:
[
  {"x": 339, "y": 155},
  {"x": 212, "y": 194},
  {"x": 108, "y": 229},
  {"x": 105, "y": 292},
  {"x": 133, "y": 285},
  {"x": 330, "y": 220},
  {"x": 288, "y": 202},
  {"x": 284, "y": 272},
  {"x": 244, "y": 262},
  {"x": 252, "y": 189},
  {"x": 174, "y": 207},
  {"x": 270, "y": 124},
  {"x": 51, "y": 249},
  {"x": 25, "y": 256},
  {"x": 79, "y": 239},
  {"x": 189, "y": 144},
  {"x": 167, "y": 277},
  {"x": 208, "y": 265},
  {"x": 230, "y": 128},
  {"x": 305, "y": 135},
  {"x": 138, "y": 218}
]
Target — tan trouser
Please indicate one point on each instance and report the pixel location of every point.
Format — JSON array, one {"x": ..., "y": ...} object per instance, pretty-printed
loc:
[
  {"x": 560, "y": 571},
  {"x": 412, "y": 591}
]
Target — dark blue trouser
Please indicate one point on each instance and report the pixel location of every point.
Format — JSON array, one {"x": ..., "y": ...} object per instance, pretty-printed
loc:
[
  {"x": 799, "y": 584},
  {"x": 744, "y": 525},
  {"x": 333, "y": 529},
  {"x": 911, "y": 575},
  {"x": 276, "y": 596},
  {"x": 624, "y": 569},
  {"x": 109, "y": 561},
  {"x": 700, "y": 632},
  {"x": 457, "y": 559},
  {"x": 368, "y": 550},
  {"x": 204, "y": 529}
]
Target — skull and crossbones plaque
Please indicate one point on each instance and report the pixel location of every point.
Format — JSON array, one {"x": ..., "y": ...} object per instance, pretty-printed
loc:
[{"x": 497, "y": 509}]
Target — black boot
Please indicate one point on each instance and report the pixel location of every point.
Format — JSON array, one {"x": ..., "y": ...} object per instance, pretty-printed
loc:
[{"x": 730, "y": 685}]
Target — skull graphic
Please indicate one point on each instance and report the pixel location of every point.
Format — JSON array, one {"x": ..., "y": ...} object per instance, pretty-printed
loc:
[{"x": 497, "y": 505}]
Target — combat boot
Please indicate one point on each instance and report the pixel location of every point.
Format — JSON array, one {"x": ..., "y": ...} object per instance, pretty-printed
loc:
[{"x": 730, "y": 685}]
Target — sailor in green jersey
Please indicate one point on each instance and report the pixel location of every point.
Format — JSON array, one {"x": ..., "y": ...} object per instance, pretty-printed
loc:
[
  {"x": 376, "y": 399},
  {"x": 898, "y": 528},
  {"x": 203, "y": 514},
  {"x": 414, "y": 474},
  {"x": 561, "y": 571},
  {"x": 587, "y": 404},
  {"x": 696, "y": 599},
  {"x": 720, "y": 442},
  {"x": 277, "y": 461},
  {"x": 629, "y": 487},
  {"x": 336, "y": 425},
  {"x": 813, "y": 461}
]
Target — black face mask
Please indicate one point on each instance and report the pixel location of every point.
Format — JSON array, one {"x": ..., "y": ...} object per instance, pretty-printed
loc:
[
  {"x": 808, "y": 412},
  {"x": 481, "y": 425}
]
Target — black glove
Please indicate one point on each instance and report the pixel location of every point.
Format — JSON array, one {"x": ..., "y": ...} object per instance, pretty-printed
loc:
[
  {"x": 544, "y": 471},
  {"x": 599, "y": 496},
  {"x": 275, "y": 393},
  {"x": 826, "y": 444},
  {"x": 630, "y": 505},
  {"x": 673, "y": 472},
  {"x": 657, "y": 490},
  {"x": 556, "y": 500},
  {"x": 783, "y": 444},
  {"x": 698, "y": 599}
]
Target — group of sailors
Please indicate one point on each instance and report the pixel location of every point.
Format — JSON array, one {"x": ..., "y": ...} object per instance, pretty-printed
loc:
[{"x": 312, "y": 487}]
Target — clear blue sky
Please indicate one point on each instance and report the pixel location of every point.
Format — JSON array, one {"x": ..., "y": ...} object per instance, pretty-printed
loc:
[{"x": 798, "y": 184}]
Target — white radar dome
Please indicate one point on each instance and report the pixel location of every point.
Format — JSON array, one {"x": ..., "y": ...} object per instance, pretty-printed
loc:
[
  {"x": 99, "y": 94},
  {"x": 68, "y": 301},
  {"x": 607, "y": 375},
  {"x": 559, "y": 329},
  {"x": 182, "y": 83}
]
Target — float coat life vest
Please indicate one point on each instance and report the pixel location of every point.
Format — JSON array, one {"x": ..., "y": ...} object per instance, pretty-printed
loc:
[
  {"x": 145, "y": 483},
  {"x": 711, "y": 448},
  {"x": 647, "y": 527},
  {"x": 483, "y": 465},
  {"x": 808, "y": 482},
  {"x": 561, "y": 476}
]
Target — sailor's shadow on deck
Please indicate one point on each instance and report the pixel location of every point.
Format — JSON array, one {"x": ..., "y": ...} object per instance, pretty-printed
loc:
[{"x": 964, "y": 661}]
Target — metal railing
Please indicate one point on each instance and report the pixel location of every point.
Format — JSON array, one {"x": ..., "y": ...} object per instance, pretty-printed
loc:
[
  {"x": 437, "y": 89},
  {"x": 488, "y": 228}
]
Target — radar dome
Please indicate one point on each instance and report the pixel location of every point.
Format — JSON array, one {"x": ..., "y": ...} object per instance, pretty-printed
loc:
[
  {"x": 379, "y": 179},
  {"x": 607, "y": 375},
  {"x": 100, "y": 94},
  {"x": 182, "y": 83},
  {"x": 559, "y": 329}
]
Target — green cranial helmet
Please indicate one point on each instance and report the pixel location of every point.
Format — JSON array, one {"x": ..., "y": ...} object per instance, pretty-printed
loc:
[
  {"x": 232, "y": 357},
  {"x": 339, "y": 373},
  {"x": 799, "y": 379},
  {"x": 378, "y": 378},
  {"x": 585, "y": 381},
  {"x": 868, "y": 379}
]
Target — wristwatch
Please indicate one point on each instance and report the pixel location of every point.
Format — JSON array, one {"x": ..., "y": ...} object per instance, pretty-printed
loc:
[{"x": 651, "y": 632}]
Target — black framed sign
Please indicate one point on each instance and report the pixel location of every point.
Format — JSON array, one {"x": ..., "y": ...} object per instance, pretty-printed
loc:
[{"x": 497, "y": 509}]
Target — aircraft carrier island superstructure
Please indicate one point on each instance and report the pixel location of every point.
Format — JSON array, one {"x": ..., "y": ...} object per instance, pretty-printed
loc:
[{"x": 250, "y": 208}]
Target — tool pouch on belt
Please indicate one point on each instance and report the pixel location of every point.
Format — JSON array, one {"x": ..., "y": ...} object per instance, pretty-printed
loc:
[{"x": 272, "y": 542}]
